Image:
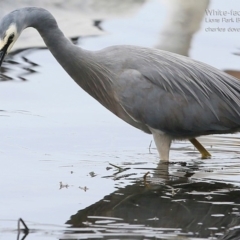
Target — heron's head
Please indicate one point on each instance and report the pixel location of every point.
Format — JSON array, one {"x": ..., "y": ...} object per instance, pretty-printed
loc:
[{"x": 9, "y": 32}]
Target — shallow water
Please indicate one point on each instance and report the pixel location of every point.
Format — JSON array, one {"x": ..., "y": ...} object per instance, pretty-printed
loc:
[{"x": 72, "y": 170}]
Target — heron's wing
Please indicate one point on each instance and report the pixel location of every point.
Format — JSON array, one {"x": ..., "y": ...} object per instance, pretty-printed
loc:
[{"x": 183, "y": 99}]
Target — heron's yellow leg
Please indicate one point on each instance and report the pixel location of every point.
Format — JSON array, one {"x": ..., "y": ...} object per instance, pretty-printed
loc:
[{"x": 200, "y": 148}]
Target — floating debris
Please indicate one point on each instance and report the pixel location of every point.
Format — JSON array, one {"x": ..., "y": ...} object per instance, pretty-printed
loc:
[
  {"x": 83, "y": 188},
  {"x": 63, "y": 185},
  {"x": 92, "y": 174}
]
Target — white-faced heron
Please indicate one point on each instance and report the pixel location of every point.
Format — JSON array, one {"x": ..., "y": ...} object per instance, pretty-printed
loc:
[{"x": 161, "y": 93}]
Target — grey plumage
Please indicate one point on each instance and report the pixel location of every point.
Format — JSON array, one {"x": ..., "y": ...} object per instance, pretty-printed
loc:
[{"x": 168, "y": 95}]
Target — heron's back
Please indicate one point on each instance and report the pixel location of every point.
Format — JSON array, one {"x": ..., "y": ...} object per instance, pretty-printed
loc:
[{"x": 170, "y": 92}]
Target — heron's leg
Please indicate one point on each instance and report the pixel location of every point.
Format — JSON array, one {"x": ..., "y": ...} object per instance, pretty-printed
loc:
[
  {"x": 163, "y": 143},
  {"x": 200, "y": 148}
]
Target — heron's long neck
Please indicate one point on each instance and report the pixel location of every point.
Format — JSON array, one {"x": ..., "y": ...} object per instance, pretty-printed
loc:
[
  {"x": 61, "y": 48},
  {"x": 78, "y": 63}
]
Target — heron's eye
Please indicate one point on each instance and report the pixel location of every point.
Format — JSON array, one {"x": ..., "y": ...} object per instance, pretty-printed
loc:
[{"x": 11, "y": 37}]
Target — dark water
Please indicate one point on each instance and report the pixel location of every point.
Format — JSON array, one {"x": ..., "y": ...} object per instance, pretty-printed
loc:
[{"x": 72, "y": 170}]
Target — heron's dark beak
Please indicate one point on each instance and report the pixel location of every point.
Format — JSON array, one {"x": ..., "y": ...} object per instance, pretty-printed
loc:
[{"x": 2, "y": 54}]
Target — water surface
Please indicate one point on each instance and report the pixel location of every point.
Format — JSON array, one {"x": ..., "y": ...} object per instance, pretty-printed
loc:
[{"x": 58, "y": 145}]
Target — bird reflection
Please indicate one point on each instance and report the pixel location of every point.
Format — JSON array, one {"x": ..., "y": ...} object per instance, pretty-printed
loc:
[{"x": 172, "y": 203}]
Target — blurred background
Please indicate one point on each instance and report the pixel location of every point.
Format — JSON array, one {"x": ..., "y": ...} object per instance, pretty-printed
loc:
[{"x": 174, "y": 25}]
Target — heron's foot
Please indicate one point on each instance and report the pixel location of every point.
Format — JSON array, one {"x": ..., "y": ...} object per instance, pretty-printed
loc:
[
  {"x": 200, "y": 148},
  {"x": 145, "y": 176},
  {"x": 206, "y": 155},
  {"x": 146, "y": 184}
]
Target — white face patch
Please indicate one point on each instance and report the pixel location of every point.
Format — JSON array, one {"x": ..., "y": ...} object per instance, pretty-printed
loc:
[{"x": 11, "y": 30}]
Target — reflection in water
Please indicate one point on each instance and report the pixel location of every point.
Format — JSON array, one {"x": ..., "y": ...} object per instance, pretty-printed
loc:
[
  {"x": 175, "y": 206},
  {"x": 17, "y": 66}
]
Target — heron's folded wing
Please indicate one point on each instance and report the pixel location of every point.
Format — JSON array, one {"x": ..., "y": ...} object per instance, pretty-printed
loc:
[{"x": 181, "y": 110}]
